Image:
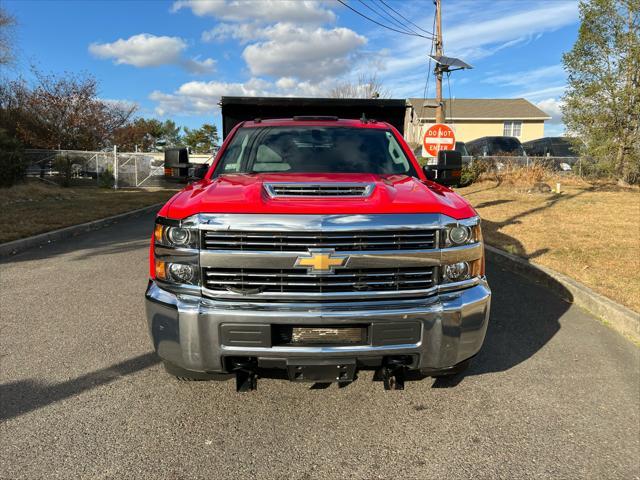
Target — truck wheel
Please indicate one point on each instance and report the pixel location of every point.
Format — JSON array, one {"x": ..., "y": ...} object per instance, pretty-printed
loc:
[{"x": 190, "y": 376}]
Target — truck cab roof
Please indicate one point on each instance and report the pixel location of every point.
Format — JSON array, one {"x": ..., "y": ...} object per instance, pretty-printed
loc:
[{"x": 320, "y": 121}]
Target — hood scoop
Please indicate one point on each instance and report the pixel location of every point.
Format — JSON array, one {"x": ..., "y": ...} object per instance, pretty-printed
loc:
[{"x": 314, "y": 189}]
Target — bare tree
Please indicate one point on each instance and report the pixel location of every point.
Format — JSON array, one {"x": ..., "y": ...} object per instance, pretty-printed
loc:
[
  {"x": 60, "y": 112},
  {"x": 7, "y": 24},
  {"x": 367, "y": 86}
]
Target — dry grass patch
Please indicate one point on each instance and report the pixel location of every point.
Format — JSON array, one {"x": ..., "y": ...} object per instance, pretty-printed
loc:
[
  {"x": 590, "y": 232},
  {"x": 33, "y": 208}
]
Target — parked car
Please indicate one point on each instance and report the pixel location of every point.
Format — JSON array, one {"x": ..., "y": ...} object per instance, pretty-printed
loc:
[
  {"x": 317, "y": 247},
  {"x": 496, "y": 147},
  {"x": 550, "y": 147},
  {"x": 462, "y": 148},
  {"x": 459, "y": 147}
]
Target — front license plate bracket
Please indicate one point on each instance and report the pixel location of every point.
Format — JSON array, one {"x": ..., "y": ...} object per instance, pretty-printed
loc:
[{"x": 314, "y": 370}]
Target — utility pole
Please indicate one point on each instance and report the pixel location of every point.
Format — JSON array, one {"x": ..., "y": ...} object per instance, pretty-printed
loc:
[{"x": 438, "y": 67}]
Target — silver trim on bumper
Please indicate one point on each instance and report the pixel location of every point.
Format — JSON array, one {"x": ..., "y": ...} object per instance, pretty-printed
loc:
[
  {"x": 186, "y": 328},
  {"x": 357, "y": 259}
]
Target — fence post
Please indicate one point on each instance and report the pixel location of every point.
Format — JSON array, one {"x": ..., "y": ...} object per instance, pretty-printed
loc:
[
  {"x": 135, "y": 167},
  {"x": 580, "y": 166},
  {"x": 115, "y": 167}
]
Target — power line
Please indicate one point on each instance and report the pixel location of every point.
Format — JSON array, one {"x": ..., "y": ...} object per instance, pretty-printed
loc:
[
  {"x": 404, "y": 18},
  {"x": 388, "y": 17},
  {"x": 450, "y": 100},
  {"x": 426, "y": 83},
  {"x": 381, "y": 24}
]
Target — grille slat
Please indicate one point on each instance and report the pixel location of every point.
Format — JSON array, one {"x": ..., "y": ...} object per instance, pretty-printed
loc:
[
  {"x": 293, "y": 281},
  {"x": 340, "y": 241},
  {"x": 210, "y": 273},
  {"x": 319, "y": 190}
]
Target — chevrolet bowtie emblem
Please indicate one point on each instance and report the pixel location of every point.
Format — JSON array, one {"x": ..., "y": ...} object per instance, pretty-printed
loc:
[{"x": 322, "y": 261}]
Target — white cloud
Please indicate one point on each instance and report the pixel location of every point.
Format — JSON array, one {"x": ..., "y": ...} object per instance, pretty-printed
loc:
[
  {"x": 142, "y": 50},
  {"x": 469, "y": 38},
  {"x": 293, "y": 51},
  {"x": 541, "y": 94},
  {"x": 481, "y": 33},
  {"x": 203, "y": 97},
  {"x": 538, "y": 76},
  {"x": 553, "y": 108},
  {"x": 194, "y": 65},
  {"x": 147, "y": 50},
  {"x": 121, "y": 103},
  {"x": 298, "y": 11},
  {"x": 244, "y": 32}
]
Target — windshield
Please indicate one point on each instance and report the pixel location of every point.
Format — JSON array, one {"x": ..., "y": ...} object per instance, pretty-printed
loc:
[
  {"x": 462, "y": 148},
  {"x": 503, "y": 145},
  {"x": 562, "y": 148},
  {"x": 308, "y": 149}
]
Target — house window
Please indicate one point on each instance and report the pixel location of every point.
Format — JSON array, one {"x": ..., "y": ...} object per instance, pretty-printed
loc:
[{"x": 512, "y": 129}]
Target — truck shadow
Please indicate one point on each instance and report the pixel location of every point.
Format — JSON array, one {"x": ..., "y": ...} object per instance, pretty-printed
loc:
[
  {"x": 121, "y": 237},
  {"x": 23, "y": 396},
  {"x": 525, "y": 315}
]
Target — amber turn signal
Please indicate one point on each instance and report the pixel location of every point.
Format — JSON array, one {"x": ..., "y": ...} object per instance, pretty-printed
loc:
[
  {"x": 158, "y": 233},
  {"x": 161, "y": 270}
]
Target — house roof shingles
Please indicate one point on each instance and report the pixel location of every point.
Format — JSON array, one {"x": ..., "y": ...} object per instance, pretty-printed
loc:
[{"x": 482, "y": 109}]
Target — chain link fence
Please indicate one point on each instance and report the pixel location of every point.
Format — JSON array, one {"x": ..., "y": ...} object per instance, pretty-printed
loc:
[
  {"x": 583, "y": 167},
  {"x": 104, "y": 168}
]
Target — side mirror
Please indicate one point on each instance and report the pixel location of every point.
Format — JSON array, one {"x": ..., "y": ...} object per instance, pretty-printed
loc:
[
  {"x": 199, "y": 172},
  {"x": 448, "y": 170},
  {"x": 176, "y": 164}
]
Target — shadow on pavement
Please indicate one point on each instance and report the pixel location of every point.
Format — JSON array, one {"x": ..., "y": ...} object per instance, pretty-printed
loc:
[
  {"x": 123, "y": 236},
  {"x": 524, "y": 317},
  {"x": 24, "y": 396}
]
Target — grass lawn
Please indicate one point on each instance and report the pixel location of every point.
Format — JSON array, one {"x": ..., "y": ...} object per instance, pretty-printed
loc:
[
  {"x": 590, "y": 232},
  {"x": 33, "y": 208}
]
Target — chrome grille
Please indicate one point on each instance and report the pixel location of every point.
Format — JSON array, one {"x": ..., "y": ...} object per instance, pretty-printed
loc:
[
  {"x": 255, "y": 281},
  {"x": 333, "y": 189},
  {"x": 302, "y": 241}
]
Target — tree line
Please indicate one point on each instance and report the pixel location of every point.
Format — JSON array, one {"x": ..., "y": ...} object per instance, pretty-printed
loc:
[{"x": 65, "y": 112}]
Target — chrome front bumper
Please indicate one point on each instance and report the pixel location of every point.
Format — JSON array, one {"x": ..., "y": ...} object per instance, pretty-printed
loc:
[{"x": 189, "y": 331}]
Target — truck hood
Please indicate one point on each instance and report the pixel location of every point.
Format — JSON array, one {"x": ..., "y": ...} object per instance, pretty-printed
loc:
[{"x": 246, "y": 193}]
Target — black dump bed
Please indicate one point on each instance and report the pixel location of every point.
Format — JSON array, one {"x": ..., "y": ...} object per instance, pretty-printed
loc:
[{"x": 240, "y": 109}]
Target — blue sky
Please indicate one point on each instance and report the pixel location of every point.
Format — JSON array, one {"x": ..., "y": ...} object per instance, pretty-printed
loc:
[{"x": 174, "y": 59}]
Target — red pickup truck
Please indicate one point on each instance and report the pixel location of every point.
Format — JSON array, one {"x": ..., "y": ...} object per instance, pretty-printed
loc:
[{"x": 313, "y": 248}]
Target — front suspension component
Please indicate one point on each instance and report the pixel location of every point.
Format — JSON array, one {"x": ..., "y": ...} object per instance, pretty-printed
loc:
[{"x": 393, "y": 375}]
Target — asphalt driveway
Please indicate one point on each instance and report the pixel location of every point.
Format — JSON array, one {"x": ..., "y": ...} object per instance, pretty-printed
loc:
[{"x": 554, "y": 393}]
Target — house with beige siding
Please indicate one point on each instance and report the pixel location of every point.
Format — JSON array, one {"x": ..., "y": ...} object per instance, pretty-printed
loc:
[{"x": 473, "y": 118}]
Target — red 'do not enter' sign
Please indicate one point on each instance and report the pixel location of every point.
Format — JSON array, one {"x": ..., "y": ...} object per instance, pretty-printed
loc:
[{"x": 438, "y": 137}]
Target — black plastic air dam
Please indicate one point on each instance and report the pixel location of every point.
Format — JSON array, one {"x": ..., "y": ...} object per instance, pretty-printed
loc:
[{"x": 267, "y": 336}]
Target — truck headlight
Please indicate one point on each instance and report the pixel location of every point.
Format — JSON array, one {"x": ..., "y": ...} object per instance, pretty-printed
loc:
[
  {"x": 173, "y": 236},
  {"x": 179, "y": 236},
  {"x": 459, "y": 271},
  {"x": 456, "y": 272},
  {"x": 182, "y": 272},
  {"x": 459, "y": 235},
  {"x": 176, "y": 272}
]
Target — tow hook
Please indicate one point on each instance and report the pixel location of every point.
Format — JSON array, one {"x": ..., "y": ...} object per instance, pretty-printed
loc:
[
  {"x": 246, "y": 378},
  {"x": 393, "y": 375}
]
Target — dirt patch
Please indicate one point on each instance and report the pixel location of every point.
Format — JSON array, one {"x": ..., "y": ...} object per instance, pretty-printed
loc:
[
  {"x": 590, "y": 232},
  {"x": 34, "y": 208}
]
